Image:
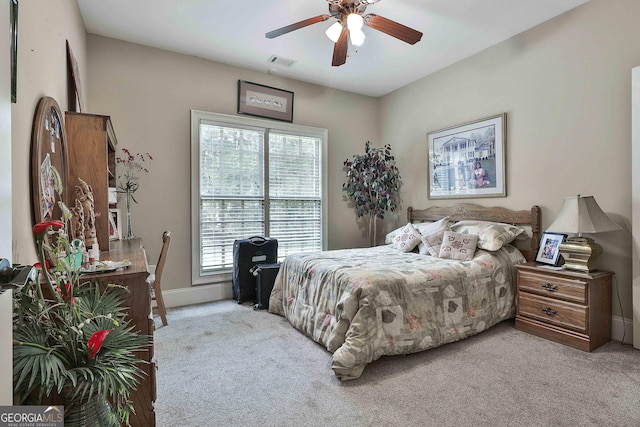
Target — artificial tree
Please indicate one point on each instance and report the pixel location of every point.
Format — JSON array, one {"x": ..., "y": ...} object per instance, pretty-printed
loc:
[{"x": 373, "y": 185}]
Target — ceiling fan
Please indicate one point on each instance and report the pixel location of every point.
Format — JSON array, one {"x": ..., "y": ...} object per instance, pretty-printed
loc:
[{"x": 351, "y": 18}]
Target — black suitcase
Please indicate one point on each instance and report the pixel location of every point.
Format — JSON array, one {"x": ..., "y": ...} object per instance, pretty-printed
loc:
[
  {"x": 265, "y": 279},
  {"x": 246, "y": 254}
]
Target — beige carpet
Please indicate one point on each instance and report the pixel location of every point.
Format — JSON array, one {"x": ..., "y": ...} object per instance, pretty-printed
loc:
[{"x": 224, "y": 364}]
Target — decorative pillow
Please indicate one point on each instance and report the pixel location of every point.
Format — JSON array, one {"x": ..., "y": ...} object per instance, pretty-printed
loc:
[
  {"x": 432, "y": 237},
  {"x": 422, "y": 226},
  {"x": 458, "y": 246},
  {"x": 491, "y": 235},
  {"x": 388, "y": 239},
  {"x": 407, "y": 239}
]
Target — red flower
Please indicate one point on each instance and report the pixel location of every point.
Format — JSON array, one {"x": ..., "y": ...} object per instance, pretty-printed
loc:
[
  {"x": 95, "y": 342},
  {"x": 67, "y": 294},
  {"x": 41, "y": 227},
  {"x": 38, "y": 265}
]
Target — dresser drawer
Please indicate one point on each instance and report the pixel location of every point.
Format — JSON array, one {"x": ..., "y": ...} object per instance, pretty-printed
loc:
[
  {"x": 574, "y": 290},
  {"x": 552, "y": 311}
]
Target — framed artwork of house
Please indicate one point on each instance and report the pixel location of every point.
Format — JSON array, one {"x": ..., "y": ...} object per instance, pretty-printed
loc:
[{"x": 468, "y": 160}]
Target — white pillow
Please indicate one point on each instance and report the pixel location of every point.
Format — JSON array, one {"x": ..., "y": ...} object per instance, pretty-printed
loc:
[
  {"x": 458, "y": 246},
  {"x": 388, "y": 239},
  {"x": 407, "y": 239},
  {"x": 422, "y": 226},
  {"x": 491, "y": 235},
  {"x": 432, "y": 237}
]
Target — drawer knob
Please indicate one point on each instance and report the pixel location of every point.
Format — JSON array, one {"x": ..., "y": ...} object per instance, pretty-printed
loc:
[
  {"x": 549, "y": 311},
  {"x": 549, "y": 287}
]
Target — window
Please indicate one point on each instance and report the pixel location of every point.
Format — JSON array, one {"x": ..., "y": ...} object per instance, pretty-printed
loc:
[{"x": 253, "y": 177}]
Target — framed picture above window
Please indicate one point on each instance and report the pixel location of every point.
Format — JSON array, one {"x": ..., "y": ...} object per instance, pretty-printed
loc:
[
  {"x": 265, "y": 101},
  {"x": 549, "y": 252},
  {"x": 468, "y": 160}
]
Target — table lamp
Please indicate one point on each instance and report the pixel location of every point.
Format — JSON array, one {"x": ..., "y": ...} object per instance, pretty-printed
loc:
[{"x": 581, "y": 214}]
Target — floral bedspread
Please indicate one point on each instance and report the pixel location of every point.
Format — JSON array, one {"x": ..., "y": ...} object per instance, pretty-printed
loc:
[{"x": 365, "y": 303}]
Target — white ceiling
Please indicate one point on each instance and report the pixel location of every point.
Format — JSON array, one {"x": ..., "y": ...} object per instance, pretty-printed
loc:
[{"x": 233, "y": 32}]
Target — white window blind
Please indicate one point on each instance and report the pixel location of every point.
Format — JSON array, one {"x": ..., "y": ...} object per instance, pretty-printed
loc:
[
  {"x": 295, "y": 192},
  {"x": 255, "y": 181}
]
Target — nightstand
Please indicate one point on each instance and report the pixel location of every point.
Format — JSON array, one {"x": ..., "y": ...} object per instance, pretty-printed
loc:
[{"x": 572, "y": 308}]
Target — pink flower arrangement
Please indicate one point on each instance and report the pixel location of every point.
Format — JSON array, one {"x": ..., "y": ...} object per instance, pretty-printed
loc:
[{"x": 134, "y": 165}]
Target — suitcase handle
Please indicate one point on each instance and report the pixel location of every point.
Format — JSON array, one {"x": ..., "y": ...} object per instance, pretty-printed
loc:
[{"x": 258, "y": 240}]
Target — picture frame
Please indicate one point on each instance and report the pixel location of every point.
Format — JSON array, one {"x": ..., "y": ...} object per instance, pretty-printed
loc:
[
  {"x": 548, "y": 251},
  {"x": 115, "y": 224},
  {"x": 468, "y": 160},
  {"x": 75, "y": 84},
  {"x": 13, "y": 28},
  {"x": 265, "y": 101}
]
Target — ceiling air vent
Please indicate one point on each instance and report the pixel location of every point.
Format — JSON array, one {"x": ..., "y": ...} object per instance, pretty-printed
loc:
[{"x": 279, "y": 60}]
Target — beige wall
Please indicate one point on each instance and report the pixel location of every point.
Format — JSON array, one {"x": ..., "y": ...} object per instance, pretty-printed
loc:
[
  {"x": 149, "y": 94},
  {"x": 43, "y": 28},
  {"x": 566, "y": 87}
]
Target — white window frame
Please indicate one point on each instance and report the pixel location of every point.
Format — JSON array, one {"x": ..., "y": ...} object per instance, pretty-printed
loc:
[{"x": 197, "y": 117}]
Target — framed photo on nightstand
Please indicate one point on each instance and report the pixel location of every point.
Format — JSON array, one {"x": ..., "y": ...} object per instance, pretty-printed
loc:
[{"x": 548, "y": 252}]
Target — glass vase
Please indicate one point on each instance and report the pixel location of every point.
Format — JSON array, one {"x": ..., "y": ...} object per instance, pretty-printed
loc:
[
  {"x": 93, "y": 413},
  {"x": 129, "y": 235}
]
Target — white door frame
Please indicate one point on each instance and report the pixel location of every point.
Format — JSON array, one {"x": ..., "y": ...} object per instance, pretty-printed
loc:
[
  {"x": 635, "y": 200},
  {"x": 6, "y": 354}
]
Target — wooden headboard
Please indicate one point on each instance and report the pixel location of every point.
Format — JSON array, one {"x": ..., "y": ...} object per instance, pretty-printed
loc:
[{"x": 460, "y": 211}]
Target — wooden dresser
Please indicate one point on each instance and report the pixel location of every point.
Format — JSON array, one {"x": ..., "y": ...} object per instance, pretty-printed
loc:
[
  {"x": 139, "y": 311},
  {"x": 568, "y": 307}
]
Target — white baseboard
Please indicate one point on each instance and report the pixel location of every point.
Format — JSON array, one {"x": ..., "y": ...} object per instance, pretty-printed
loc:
[
  {"x": 197, "y": 294},
  {"x": 621, "y": 328}
]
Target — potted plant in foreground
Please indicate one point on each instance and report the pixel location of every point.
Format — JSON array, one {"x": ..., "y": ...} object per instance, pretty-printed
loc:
[
  {"x": 72, "y": 344},
  {"x": 373, "y": 185}
]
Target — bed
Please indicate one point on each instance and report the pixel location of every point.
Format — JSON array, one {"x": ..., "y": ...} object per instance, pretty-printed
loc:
[{"x": 364, "y": 303}]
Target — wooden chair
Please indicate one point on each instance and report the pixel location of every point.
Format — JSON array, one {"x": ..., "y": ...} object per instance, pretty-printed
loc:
[{"x": 155, "y": 278}]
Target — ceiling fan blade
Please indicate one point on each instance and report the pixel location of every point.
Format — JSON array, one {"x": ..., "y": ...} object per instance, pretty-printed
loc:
[
  {"x": 340, "y": 49},
  {"x": 296, "y": 26},
  {"x": 395, "y": 29}
]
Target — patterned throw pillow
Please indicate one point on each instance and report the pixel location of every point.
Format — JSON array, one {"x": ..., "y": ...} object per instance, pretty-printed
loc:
[
  {"x": 407, "y": 239},
  {"x": 458, "y": 246},
  {"x": 491, "y": 235},
  {"x": 432, "y": 237},
  {"x": 388, "y": 238}
]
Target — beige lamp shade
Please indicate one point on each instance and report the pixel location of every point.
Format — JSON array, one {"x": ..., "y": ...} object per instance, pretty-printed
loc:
[{"x": 581, "y": 214}]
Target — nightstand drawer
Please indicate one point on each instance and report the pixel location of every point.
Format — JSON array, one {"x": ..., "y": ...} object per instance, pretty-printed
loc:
[
  {"x": 552, "y": 311},
  {"x": 573, "y": 290}
]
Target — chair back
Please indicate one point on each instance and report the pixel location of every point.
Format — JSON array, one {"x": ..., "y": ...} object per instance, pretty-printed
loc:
[{"x": 166, "y": 240}]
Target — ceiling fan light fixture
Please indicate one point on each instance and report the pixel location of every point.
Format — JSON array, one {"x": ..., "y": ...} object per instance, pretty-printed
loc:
[
  {"x": 357, "y": 37},
  {"x": 333, "y": 32},
  {"x": 351, "y": 17},
  {"x": 355, "y": 22}
]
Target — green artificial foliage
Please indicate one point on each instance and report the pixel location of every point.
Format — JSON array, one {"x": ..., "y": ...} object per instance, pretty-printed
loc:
[
  {"x": 73, "y": 343},
  {"x": 373, "y": 184}
]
